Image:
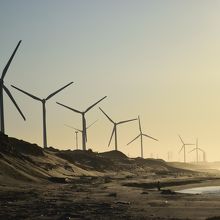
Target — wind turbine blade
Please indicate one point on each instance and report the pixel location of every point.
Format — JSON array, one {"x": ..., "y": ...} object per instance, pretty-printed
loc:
[
  {"x": 121, "y": 122},
  {"x": 73, "y": 128},
  {"x": 181, "y": 149},
  {"x": 192, "y": 150},
  {"x": 12, "y": 99},
  {"x": 111, "y": 136},
  {"x": 196, "y": 142},
  {"x": 54, "y": 93},
  {"x": 95, "y": 104},
  {"x": 91, "y": 124},
  {"x": 134, "y": 139},
  {"x": 201, "y": 150},
  {"x": 69, "y": 108},
  {"x": 26, "y": 93},
  {"x": 149, "y": 137},
  {"x": 9, "y": 61},
  {"x": 181, "y": 139},
  {"x": 189, "y": 144},
  {"x": 107, "y": 116},
  {"x": 139, "y": 120}
]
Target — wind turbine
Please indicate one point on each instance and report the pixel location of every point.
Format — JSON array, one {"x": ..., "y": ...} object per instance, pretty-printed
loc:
[
  {"x": 141, "y": 136},
  {"x": 197, "y": 149},
  {"x": 43, "y": 101},
  {"x": 204, "y": 154},
  {"x": 84, "y": 133},
  {"x": 114, "y": 131},
  {"x": 3, "y": 87},
  {"x": 184, "y": 148},
  {"x": 78, "y": 130}
]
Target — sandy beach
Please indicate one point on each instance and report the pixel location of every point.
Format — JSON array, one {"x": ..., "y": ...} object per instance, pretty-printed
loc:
[
  {"x": 105, "y": 198},
  {"x": 52, "y": 184}
]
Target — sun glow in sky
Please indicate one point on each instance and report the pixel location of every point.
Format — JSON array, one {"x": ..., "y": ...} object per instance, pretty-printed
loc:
[{"x": 157, "y": 59}]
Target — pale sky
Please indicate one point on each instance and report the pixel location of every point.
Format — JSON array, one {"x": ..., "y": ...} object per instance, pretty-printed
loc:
[{"x": 157, "y": 59}]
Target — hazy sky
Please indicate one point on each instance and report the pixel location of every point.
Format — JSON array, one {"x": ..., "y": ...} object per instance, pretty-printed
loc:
[{"x": 157, "y": 59}]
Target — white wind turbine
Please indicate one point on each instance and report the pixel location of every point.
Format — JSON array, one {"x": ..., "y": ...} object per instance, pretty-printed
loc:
[
  {"x": 114, "y": 131},
  {"x": 43, "y": 101},
  {"x": 141, "y": 137},
  {"x": 84, "y": 133},
  {"x": 3, "y": 87}
]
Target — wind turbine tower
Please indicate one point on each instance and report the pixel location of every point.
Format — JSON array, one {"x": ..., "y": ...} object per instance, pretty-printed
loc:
[
  {"x": 4, "y": 88},
  {"x": 184, "y": 148},
  {"x": 43, "y": 101},
  {"x": 76, "y": 135},
  {"x": 114, "y": 131},
  {"x": 83, "y": 113},
  {"x": 141, "y": 135},
  {"x": 204, "y": 154}
]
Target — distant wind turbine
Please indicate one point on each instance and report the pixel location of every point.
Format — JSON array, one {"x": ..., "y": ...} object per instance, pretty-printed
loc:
[
  {"x": 3, "y": 87},
  {"x": 204, "y": 154},
  {"x": 43, "y": 101},
  {"x": 184, "y": 148},
  {"x": 84, "y": 132},
  {"x": 78, "y": 130},
  {"x": 197, "y": 149},
  {"x": 141, "y": 136},
  {"x": 114, "y": 131}
]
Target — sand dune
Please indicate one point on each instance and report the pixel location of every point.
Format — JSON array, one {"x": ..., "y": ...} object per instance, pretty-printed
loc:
[{"x": 20, "y": 160}]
